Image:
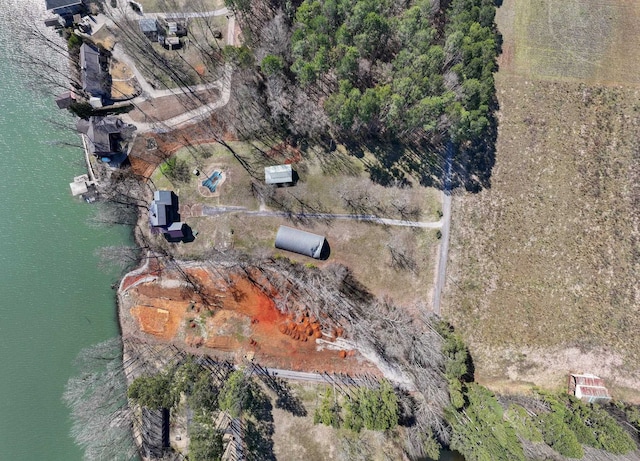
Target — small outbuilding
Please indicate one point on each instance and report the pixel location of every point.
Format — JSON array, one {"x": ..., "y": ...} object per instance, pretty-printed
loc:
[
  {"x": 65, "y": 100},
  {"x": 279, "y": 175},
  {"x": 302, "y": 242},
  {"x": 149, "y": 27},
  {"x": 588, "y": 388}
]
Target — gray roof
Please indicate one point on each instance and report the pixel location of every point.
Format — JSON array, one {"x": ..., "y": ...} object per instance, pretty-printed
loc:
[
  {"x": 160, "y": 211},
  {"x": 55, "y": 4},
  {"x": 278, "y": 174},
  {"x": 299, "y": 241},
  {"x": 91, "y": 72},
  {"x": 148, "y": 25},
  {"x": 102, "y": 133}
]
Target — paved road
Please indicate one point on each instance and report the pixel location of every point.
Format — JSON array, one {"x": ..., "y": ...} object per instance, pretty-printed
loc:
[
  {"x": 215, "y": 211},
  {"x": 446, "y": 224}
]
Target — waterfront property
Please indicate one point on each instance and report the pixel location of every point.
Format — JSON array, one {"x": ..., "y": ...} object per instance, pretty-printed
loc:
[
  {"x": 106, "y": 138},
  {"x": 302, "y": 242},
  {"x": 164, "y": 217},
  {"x": 65, "y": 8},
  {"x": 94, "y": 74},
  {"x": 65, "y": 100},
  {"x": 279, "y": 175}
]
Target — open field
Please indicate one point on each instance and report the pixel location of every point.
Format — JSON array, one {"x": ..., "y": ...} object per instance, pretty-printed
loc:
[
  {"x": 389, "y": 260},
  {"x": 545, "y": 265},
  {"x": 591, "y": 41}
]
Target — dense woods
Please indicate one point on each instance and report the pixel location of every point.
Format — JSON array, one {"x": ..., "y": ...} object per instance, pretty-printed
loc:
[{"x": 404, "y": 80}]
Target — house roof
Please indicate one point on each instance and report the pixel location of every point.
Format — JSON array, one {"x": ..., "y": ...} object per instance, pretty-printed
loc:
[
  {"x": 299, "y": 241},
  {"x": 278, "y": 174},
  {"x": 161, "y": 210},
  {"x": 102, "y": 133},
  {"x": 91, "y": 73},
  {"x": 148, "y": 25},
  {"x": 55, "y": 4}
]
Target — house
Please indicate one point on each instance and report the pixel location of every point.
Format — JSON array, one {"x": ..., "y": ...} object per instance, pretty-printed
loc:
[
  {"x": 164, "y": 217},
  {"x": 93, "y": 72},
  {"x": 302, "y": 242},
  {"x": 149, "y": 27},
  {"x": 588, "y": 388},
  {"x": 65, "y": 100},
  {"x": 65, "y": 7},
  {"x": 279, "y": 174},
  {"x": 104, "y": 137}
]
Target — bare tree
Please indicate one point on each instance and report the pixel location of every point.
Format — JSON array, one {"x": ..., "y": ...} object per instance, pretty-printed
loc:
[{"x": 97, "y": 397}]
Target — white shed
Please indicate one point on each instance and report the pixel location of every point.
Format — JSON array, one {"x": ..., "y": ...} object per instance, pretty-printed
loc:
[{"x": 278, "y": 174}]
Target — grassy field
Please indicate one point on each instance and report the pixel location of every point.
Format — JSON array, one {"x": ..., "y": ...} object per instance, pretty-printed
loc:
[
  {"x": 545, "y": 264},
  {"x": 592, "y": 41},
  {"x": 390, "y": 260}
]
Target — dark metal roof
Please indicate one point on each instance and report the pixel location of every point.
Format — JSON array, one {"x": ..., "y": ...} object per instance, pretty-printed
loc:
[
  {"x": 91, "y": 72},
  {"x": 55, "y": 4},
  {"x": 299, "y": 241}
]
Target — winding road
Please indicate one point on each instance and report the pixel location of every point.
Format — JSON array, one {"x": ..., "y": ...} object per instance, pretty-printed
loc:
[{"x": 223, "y": 84}]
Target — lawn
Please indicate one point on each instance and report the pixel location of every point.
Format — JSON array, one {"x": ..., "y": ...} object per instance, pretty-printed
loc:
[
  {"x": 390, "y": 260},
  {"x": 544, "y": 265}
]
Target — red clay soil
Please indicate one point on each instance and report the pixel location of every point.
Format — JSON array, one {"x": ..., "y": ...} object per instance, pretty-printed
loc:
[
  {"x": 241, "y": 320},
  {"x": 144, "y": 161}
]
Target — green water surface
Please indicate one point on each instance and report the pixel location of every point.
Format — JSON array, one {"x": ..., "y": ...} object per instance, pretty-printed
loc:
[{"x": 54, "y": 301}]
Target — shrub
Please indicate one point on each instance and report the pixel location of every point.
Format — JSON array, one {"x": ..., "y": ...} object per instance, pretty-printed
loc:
[
  {"x": 523, "y": 423},
  {"x": 176, "y": 170}
]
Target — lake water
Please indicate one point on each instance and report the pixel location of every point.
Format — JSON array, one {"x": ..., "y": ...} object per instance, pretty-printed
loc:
[{"x": 54, "y": 301}]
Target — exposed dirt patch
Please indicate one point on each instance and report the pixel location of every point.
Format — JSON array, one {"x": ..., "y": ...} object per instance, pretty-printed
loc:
[{"x": 236, "y": 318}]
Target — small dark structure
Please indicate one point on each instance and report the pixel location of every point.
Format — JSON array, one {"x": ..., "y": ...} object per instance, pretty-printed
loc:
[
  {"x": 149, "y": 27},
  {"x": 588, "y": 388},
  {"x": 105, "y": 138},
  {"x": 302, "y": 242},
  {"x": 279, "y": 175},
  {"x": 154, "y": 432},
  {"x": 94, "y": 73},
  {"x": 65, "y": 100},
  {"x": 164, "y": 217}
]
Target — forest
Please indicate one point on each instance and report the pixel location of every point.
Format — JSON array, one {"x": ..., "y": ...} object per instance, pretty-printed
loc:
[{"x": 411, "y": 82}]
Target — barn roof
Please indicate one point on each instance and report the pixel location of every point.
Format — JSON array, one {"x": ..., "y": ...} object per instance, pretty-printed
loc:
[
  {"x": 589, "y": 387},
  {"x": 302, "y": 242}
]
